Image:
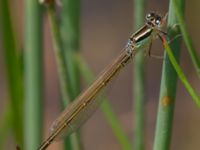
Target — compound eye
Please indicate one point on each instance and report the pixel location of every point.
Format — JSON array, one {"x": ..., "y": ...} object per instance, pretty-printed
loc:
[
  {"x": 158, "y": 21},
  {"x": 149, "y": 15}
]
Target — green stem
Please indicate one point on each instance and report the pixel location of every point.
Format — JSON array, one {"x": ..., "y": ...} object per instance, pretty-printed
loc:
[
  {"x": 59, "y": 53},
  {"x": 13, "y": 71},
  {"x": 33, "y": 75},
  {"x": 181, "y": 75},
  {"x": 139, "y": 87},
  {"x": 70, "y": 29},
  {"x": 73, "y": 141},
  {"x": 168, "y": 86},
  {"x": 70, "y": 35},
  {"x": 187, "y": 38},
  {"x": 5, "y": 125}
]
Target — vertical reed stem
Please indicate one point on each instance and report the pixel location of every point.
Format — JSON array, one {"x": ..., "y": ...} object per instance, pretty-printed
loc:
[
  {"x": 168, "y": 86},
  {"x": 70, "y": 29},
  {"x": 13, "y": 72},
  {"x": 33, "y": 75},
  {"x": 139, "y": 79}
]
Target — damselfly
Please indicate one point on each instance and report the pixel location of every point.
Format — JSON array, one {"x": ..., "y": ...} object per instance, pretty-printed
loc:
[{"x": 85, "y": 104}]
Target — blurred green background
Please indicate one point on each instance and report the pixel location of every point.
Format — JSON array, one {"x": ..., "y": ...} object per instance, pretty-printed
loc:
[{"x": 105, "y": 27}]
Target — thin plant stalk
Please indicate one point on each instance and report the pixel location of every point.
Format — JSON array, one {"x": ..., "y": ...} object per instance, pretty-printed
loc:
[
  {"x": 186, "y": 37},
  {"x": 139, "y": 79},
  {"x": 5, "y": 126},
  {"x": 33, "y": 67},
  {"x": 181, "y": 75},
  {"x": 59, "y": 52},
  {"x": 72, "y": 142},
  {"x": 70, "y": 33},
  {"x": 13, "y": 71},
  {"x": 166, "y": 106}
]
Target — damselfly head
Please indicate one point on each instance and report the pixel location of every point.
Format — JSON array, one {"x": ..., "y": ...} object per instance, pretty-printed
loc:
[{"x": 154, "y": 20}]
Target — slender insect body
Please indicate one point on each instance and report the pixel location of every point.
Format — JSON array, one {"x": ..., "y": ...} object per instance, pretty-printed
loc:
[{"x": 84, "y": 106}]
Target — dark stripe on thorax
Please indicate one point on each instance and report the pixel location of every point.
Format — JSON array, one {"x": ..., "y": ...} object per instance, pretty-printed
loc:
[{"x": 142, "y": 33}]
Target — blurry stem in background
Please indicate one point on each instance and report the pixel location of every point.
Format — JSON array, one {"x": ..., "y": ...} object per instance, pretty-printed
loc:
[
  {"x": 70, "y": 30},
  {"x": 5, "y": 125},
  {"x": 187, "y": 38},
  {"x": 138, "y": 84},
  {"x": 59, "y": 53},
  {"x": 168, "y": 86},
  {"x": 13, "y": 71},
  {"x": 180, "y": 73},
  {"x": 71, "y": 142},
  {"x": 33, "y": 66},
  {"x": 70, "y": 33}
]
